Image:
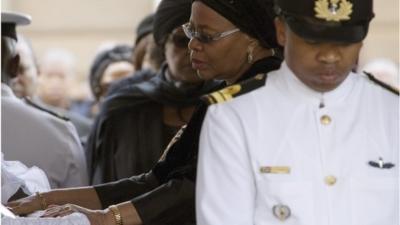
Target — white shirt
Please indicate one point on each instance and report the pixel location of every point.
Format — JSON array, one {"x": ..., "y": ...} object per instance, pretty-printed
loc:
[
  {"x": 326, "y": 177},
  {"x": 37, "y": 138}
]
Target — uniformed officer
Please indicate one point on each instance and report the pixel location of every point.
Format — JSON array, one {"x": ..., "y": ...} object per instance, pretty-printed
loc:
[
  {"x": 31, "y": 135},
  {"x": 317, "y": 144}
]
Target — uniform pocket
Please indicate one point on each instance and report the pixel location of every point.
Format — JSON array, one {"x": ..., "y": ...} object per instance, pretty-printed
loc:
[
  {"x": 375, "y": 201},
  {"x": 297, "y": 196}
]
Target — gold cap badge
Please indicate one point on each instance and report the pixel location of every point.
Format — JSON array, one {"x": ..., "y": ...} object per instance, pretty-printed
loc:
[{"x": 333, "y": 10}]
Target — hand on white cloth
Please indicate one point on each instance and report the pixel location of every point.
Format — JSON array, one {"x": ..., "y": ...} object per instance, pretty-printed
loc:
[
  {"x": 73, "y": 219},
  {"x": 95, "y": 217},
  {"x": 15, "y": 175}
]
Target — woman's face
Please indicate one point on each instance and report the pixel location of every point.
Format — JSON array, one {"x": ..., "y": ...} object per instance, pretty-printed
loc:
[
  {"x": 223, "y": 59},
  {"x": 177, "y": 57}
]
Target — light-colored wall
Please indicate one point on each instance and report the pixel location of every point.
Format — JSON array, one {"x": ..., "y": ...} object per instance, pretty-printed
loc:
[
  {"x": 383, "y": 38},
  {"x": 82, "y": 25}
]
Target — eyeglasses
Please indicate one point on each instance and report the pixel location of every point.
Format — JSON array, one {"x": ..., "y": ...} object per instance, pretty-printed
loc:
[
  {"x": 205, "y": 38},
  {"x": 180, "y": 40}
]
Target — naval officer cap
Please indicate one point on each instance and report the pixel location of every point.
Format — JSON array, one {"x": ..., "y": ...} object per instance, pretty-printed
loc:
[
  {"x": 345, "y": 21},
  {"x": 9, "y": 21}
]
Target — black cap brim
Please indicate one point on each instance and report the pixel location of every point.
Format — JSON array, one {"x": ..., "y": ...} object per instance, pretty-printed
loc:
[{"x": 323, "y": 33}]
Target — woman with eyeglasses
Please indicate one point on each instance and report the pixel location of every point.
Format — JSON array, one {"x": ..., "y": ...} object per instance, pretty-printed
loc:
[
  {"x": 230, "y": 40},
  {"x": 142, "y": 113}
]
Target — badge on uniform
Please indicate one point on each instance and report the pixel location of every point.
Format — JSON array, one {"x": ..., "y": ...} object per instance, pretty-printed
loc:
[
  {"x": 380, "y": 164},
  {"x": 282, "y": 212},
  {"x": 275, "y": 169}
]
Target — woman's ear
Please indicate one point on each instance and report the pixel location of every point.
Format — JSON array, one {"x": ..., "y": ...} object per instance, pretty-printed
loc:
[{"x": 280, "y": 31}]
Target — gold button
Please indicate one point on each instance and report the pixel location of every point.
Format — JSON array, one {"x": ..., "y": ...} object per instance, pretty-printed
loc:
[
  {"x": 330, "y": 180},
  {"x": 326, "y": 120}
]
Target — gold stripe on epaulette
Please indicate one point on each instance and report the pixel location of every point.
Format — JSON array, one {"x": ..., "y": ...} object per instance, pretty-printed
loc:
[
  {"x": 226, "y": 94},
  {"x": 259, "y": 76}
]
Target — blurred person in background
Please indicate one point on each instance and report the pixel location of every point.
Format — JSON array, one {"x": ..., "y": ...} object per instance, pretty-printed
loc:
[
  {"x": 55, "y": 82},
  {"x": 109, "y": 65},
  {"x": 141, "y": 56},
  {"x": 57, "y": 71},
  {"x": 25, "y": 84},
  {"x": 32, "y": 135}
]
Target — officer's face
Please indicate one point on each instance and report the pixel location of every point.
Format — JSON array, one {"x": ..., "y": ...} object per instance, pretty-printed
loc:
[
  {"x": 321, "y": 66},
  {"x": 223, "y": 59}
]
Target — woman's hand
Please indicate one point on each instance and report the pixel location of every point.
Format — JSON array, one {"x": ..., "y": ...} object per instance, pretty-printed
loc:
[
  {"x": 96, "y": 217},
  {"x": 26, "y": 205}
]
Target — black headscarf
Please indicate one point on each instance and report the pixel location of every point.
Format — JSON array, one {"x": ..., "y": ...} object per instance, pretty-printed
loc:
[
  {"x": 170, "y": 14},
  {"x": 119, "y": 53},
  {"x": 144, "y": 28},
  {"x": 253, "y": 17}
]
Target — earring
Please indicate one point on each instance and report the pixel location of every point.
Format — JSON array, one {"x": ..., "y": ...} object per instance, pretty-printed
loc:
[
  {"x": 199, "y": 75},
  {"x": 250, "y": 56}
]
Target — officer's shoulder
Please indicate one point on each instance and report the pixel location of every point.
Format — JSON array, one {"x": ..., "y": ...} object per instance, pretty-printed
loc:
[
  {"x": 39, "y": 107},
  {"x": 384, "y": 85},
  {"x": 235, "y": 90}
]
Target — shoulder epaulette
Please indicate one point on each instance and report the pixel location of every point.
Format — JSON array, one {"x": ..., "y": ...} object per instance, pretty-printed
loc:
[
  {"x": 235, "y": 90},
  {"x": 388, "y": 87},
  {"x": 41, "y": 108}
]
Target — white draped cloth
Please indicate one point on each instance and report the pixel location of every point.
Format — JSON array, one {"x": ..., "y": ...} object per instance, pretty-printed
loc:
[
  {"x": 15, "y": 175},
  {"x": 73, "y": 219}
]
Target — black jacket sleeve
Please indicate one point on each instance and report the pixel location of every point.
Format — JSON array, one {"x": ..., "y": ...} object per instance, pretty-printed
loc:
[
  {"x": 125, "y": 189},
  {"x": 171, "y": 203}
]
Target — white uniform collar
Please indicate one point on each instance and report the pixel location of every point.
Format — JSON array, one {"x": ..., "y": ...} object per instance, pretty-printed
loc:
[
  {"x": 6, "y": 91},
  {"x": 300, "y": 91}
]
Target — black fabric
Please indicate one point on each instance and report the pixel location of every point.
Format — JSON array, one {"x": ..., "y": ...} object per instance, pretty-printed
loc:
[
  {"x": 301, "y": 18},
  {"x": 128, "y": 134},
  {"x": 127, "y": 189},
  {"x": 8, "y": 30},
  {"x": 172, "y": 202},
  {"x": 170, "y": 14},
  {"x": 145, "y": 27},
  {"x": 253, "y": 17}
]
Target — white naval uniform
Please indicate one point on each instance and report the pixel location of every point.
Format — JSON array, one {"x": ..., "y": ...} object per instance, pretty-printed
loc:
[
  {"x": 37, "y": 138},
  {"x": 327, "y": 151}
]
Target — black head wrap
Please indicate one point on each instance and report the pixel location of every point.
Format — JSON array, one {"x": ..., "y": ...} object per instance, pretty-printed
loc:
[
  {"x": 120, "y": 53},
  {"x": 253, "y": 17},
  {"x": 145, "y": 27},
  {"x": 170, "y": 14}
]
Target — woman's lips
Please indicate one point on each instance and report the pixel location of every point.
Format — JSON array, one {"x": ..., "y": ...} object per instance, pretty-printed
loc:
[{"x": 198, "y": 64}]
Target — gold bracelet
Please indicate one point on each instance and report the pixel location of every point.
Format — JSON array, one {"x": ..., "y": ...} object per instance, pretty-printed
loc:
[
  {"x": 117, "y": 215},
  {"x": 43, "y": 203}
]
